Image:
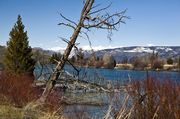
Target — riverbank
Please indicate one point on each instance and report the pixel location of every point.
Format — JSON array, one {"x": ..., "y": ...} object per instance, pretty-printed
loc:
[{"x": 166, "y": 67}]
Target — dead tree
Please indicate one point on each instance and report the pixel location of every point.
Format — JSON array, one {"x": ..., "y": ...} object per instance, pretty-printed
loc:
[{"x": 91, "y": 17}]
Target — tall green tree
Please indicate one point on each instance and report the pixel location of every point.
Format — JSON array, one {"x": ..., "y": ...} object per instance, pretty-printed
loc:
[{"x": 18, "y": 57}]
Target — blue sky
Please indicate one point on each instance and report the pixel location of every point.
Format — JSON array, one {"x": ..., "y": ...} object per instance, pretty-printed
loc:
[{"x": 153, "y": 22}]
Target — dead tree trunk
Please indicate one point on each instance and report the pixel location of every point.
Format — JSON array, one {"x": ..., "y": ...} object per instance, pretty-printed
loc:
[
  {"x": 64, "y": 58},
  {"x": 90, "y": 18}
]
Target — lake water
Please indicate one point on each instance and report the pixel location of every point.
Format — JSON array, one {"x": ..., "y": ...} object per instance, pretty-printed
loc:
[
  {"x": 119, "y": 74},
  {"x": 92, "y": 74}
]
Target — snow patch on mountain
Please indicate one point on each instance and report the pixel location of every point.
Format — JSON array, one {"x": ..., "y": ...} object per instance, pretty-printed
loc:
[
  {"x": 130, "y": 52},
  {"x": 99, "y": 47},
  {"x": 168, "y": 49},
  {"x": 140, "y": 50}
]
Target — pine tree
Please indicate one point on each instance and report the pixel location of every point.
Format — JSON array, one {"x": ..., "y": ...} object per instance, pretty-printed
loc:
[{"x": 18, "y": 57}]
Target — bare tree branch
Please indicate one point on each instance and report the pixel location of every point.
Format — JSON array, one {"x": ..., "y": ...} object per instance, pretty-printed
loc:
[
  {"x": 84, "y": 34},
  {"x": 99, "y": 10},
  {"x": 64, "y": 39},
  {"x": 77, "y": 70},
  {"x": 95, "y": 6},
  {"x": 68, "y": 25},
  {"x": 106, "y": 21},
  {"x": 68, "y": 19},
  {"x": 68, "y": 42}
]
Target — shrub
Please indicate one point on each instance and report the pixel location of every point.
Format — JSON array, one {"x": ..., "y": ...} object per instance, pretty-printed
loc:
[
  {"x": 17, "y": 92},
  {"x": 139, "y": 63},
  {"x": 169, "y": 61},
  {"x": 158, "y": 64},
  {"x": 17, "y": 89},
  {"x": 109, "y": 61},
  {"x": 98, "y": 64}
]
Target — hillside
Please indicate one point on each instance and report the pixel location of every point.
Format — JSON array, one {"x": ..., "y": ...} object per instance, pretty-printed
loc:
[
  {"x": 119, "y": 54},
  {"x": 38, "y": 53},
  {"x": 130, "y": 52}
]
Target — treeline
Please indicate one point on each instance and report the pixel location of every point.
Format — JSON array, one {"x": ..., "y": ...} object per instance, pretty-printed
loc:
[
  {"x": 78, "y": 59},
  {"x": 151, "y": 61},
  {"x": 107, "y": 61}
]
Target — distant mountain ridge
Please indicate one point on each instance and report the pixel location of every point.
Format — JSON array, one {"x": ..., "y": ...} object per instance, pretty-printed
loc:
[
  {"x": 46, "y": 52},
  {"x": 123, "y": 52},
  {"x": 133, "y": 51}
]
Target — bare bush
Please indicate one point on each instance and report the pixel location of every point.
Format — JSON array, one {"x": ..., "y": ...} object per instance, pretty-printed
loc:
[
  {"x": 158, "y": 64},
  {"x": 17, "y": 89},
  {"x": 138, "y": 63},
  {"x": 154, "y": 99}
]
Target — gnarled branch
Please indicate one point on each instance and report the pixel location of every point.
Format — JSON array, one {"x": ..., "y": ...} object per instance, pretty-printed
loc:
[{"x": 106, "y": 21}]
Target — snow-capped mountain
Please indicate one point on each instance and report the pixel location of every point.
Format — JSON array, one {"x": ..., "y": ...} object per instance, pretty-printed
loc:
[
  {"x": 133, "y": 51},
  {"x": 130, "y": 52}
]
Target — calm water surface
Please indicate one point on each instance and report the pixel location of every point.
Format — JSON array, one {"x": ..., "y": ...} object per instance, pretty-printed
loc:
[
  {"x": 112, "y": 74},
  {"x": 118, "y": 74}
]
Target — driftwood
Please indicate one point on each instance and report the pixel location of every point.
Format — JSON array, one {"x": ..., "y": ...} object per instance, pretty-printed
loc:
[
  {"x": 70, "y": 83},
  {"x": 75, "y": 85}
]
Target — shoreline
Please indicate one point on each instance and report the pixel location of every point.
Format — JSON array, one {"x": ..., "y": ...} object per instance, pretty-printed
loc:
[{"x": 133, "y": 69}]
